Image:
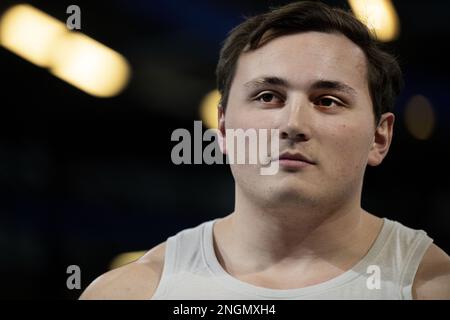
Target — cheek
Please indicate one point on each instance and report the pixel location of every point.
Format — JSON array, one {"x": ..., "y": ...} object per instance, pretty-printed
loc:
[
  {"x": 244, "y": 114},
  {"x": 349, "y": 147}
]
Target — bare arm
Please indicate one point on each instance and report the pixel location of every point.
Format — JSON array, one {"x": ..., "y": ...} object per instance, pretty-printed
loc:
[
  {"x": 432, "y": 280},
  {"x": 134, "y": 281}
]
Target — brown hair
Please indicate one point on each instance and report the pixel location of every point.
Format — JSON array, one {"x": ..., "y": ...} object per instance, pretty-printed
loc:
[{"x": 384, "y": 74}]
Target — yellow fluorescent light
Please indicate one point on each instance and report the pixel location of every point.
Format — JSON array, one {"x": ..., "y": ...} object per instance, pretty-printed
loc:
[
  {"x": 125, "y": 258},
  {"x": 208, "y": 109},
  {"x": 419, "y": 117},
  {"x": 89, "y": 65},
  {"x": 71, "y": 56},
  {"x": 379, "y": 16},
  {"x": 30, "y": 33}
]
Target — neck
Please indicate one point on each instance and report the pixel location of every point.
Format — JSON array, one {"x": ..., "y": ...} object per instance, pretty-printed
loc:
[{"x": 279, "y": 234}]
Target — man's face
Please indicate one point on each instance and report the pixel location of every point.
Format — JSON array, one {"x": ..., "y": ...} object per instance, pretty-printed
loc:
[{"x": 322, "y": 110}]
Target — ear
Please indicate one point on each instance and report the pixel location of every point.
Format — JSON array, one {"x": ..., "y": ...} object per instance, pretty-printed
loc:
[
  {"x": 382, "y": 139},
  {"x": 221, "y": 127}
]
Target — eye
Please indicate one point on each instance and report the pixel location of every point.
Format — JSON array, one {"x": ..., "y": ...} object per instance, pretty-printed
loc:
[
  {"x": 328, "y": 102},
  {"x": 268, "y": 97}
]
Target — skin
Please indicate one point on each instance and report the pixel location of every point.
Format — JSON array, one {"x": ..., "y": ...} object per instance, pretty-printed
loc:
[
  {"x": 299, "y": 221},
  {"x": 303, "y": 220}
]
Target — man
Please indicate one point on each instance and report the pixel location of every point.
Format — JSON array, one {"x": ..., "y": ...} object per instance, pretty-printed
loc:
[{"x": 315, "y": 74}]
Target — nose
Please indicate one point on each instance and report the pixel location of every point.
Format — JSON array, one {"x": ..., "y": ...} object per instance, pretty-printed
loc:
[{"x": 296, "y": 121}]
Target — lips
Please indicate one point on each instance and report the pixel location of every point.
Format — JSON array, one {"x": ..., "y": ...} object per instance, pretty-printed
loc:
[{"x": 295, "y": 156}]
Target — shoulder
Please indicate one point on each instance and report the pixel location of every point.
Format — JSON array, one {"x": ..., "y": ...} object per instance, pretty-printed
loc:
[
  {"x": 432, "y": 279},
  {"x": 134, "y": 281}
]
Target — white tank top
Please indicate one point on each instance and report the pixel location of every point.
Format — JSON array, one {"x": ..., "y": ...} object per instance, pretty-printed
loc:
[{"x": 191, "y": 270}]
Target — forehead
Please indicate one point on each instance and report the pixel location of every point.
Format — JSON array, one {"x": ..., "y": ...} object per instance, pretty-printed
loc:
[{"x": 303, "y": 58}]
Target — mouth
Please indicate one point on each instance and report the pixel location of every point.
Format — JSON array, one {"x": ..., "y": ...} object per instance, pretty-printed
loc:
[{"x": 294, "y": 160}]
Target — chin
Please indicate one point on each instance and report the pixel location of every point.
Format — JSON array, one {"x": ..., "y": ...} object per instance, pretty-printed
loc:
[{"x": 289, "y": 195}]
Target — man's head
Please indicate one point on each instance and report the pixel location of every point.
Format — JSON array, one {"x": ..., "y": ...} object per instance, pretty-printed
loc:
[
  {"x": 315, "y": 74},
  {"x": 383, "y": 72}
]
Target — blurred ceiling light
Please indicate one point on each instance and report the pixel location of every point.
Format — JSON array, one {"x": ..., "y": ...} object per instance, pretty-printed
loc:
[
  {"x": 379, "y": 16},
  {"x": 125, "y": 258},
  {"x": 71, "y": 56},
  {"x": 419, "y": 117},
  {"x": 89, "y": 65},
  {"x": 30, "y": 33},
  {"x": 208, "y": 109}
]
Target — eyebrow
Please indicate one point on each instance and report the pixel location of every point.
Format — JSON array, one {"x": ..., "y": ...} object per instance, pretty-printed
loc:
[
  {"x": 276, "y": 81},
  {"x": 319, "y": 84},
  {"x": 334, "y": 85}
]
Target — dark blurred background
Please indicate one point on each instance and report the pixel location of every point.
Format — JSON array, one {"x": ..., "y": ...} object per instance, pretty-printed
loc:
[{"x": 83, "y": 179}]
